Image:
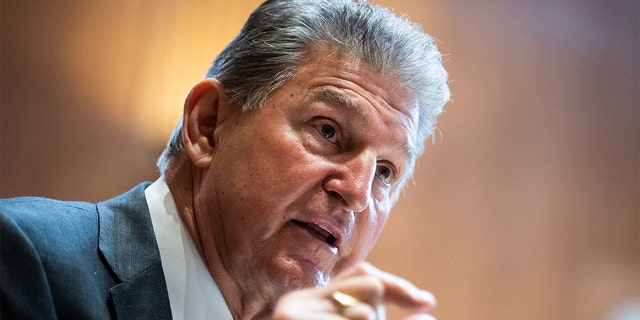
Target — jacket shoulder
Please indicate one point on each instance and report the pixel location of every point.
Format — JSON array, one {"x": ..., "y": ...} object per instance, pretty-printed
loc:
[
  {"x": 42, "y": 218},
  {"x": 49, "y": 260}
]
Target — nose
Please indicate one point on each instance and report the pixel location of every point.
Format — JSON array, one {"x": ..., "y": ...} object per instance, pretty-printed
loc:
[{"x": 351, "y": 180}]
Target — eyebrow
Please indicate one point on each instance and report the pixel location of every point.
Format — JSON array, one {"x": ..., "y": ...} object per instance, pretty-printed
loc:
[{"x": 335, "y": 98}]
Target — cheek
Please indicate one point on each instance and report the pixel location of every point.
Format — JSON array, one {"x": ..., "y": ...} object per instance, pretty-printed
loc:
[
  {"x": 377, "y": 224},
  {"x": 262, "y": 182},
  {"x": 369, "y": 231},
  {"x": 378, "y": 218},
  {"x": 366, "y": 233}
]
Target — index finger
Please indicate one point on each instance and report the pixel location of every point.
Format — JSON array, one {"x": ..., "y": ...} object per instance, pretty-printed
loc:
[{"x": 397, "y": 290}]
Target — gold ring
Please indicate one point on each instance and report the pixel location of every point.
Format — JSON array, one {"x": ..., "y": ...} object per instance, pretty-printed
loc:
[{"x": 343, "y": 301}]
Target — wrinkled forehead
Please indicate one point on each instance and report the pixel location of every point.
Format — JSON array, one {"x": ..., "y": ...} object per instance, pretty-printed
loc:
[{"x": 388, "y": 87}]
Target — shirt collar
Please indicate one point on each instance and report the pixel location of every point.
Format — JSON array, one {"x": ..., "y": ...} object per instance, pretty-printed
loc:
[{"x": 193, "y": 293}]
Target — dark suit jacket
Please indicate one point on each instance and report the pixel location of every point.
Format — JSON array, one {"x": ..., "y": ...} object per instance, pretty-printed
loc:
[{"x": 76, "y": 260}]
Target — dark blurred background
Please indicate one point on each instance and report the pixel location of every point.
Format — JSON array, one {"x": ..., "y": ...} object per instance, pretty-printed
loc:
[{"x": 525, "y": 206}]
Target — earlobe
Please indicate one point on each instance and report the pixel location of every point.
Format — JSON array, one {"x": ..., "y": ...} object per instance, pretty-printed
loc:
[{"x": 201, "y": 117}]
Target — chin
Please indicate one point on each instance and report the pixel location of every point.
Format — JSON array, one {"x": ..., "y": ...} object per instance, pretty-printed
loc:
[{"x": 294, "y": 274}]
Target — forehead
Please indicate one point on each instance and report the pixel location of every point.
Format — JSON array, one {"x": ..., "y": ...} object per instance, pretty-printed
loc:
[
  {"x": 325, "y": 63},
  {"x": 341, "y": 80}
]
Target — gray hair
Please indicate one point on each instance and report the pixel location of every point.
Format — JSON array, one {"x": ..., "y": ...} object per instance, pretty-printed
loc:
[{"x": 280, "y": 33}]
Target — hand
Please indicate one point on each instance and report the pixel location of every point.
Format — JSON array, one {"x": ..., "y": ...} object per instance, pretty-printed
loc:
[{"x": 372, "y": 289}]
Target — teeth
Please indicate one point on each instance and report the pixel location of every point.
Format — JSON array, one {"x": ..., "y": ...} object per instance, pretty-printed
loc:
[
  {"x": 323, "y": 227},
  {"x": 330, "y": 238}
]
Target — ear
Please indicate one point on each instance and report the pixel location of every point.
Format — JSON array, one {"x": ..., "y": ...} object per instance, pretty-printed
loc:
[{"x": 203, "y": 107}]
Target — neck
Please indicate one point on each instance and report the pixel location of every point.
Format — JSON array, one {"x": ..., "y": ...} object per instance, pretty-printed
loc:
[{"x": 184, "y": 180}]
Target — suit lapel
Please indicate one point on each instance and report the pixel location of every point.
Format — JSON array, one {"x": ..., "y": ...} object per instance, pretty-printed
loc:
[
  {"x": 142, "y": 297},
  {"x": 128, "y": 244}
]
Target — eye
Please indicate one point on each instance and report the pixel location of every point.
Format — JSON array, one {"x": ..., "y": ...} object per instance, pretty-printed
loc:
[
  {"x": 329, "y": 132},
  {"x": 384, "y": 173}
]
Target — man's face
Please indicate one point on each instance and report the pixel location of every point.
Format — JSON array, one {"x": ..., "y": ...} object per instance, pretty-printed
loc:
[{"x": 300, "y": 189}]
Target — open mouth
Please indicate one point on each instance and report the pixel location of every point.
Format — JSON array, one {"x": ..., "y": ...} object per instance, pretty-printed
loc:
[{"x": 320, "y": 231}]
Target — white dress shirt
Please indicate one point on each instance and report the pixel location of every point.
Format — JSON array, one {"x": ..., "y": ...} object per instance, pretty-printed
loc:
[{"x": 193, "y": 294}]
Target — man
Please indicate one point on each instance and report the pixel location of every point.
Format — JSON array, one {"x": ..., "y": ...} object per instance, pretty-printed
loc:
[{"x": 273, "y": 189}]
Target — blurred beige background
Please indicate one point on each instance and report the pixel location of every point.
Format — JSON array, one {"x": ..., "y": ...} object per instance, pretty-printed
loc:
[{"x": 525, "y": 207}]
